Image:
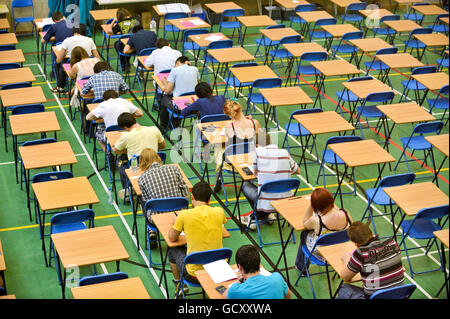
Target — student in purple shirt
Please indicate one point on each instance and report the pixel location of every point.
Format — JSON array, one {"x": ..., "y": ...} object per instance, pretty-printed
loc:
[{"x": 207, "y": 103}]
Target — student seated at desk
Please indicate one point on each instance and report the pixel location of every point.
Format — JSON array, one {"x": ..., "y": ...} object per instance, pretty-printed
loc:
[
  {"x": 252, "y": 284},
  {"x": 207, "y": 103},
  {"x": 163, "y": 58},
  {"x": 140, "y": 39},
  {"x": 158, "y": 181},
  {"x": 182, "y": 79},
  {"x": 379, "y": 261},
  {"x": 133, "y": 141},
  {"x": 59, "y": 31},
  {"x": 104, "y": 79},
  {"x": 78, "y": 39},
  {"x": 270, "y": 164},
  {"x": 202, "y": 226},
  {"x": 322, "y": 217},
  {"x": 109, "y": 110},
  {"x": 122, "y": 23}
]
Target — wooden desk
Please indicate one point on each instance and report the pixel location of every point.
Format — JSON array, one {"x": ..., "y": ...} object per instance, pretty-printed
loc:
[
  {"x": 209, "y": 286},
  {"x": 360, "y": 153},
  {"x": 283, "y": 96},
  {"x": 363, "y": 88},
  {"x": 2, "y": 266},
  {"x": 442, "y": 235},
  {"x": 194, "y": 23},
  {"x": 290, "y": 4},
  {"x": 252, "y": 73},
  {"x": 397, "y": 61},
  {"x": 320, "y": 123},
  {"x": 402, "y": 25},
  {"x": 432, "y": 81},
  {"x": 410, "y": 198},
  {"x": 130, "y": 288},
  {"x": 256, "y": 21},
  {"x": 369, "y": 45},
  {"x": 445, "y": 20},
  {"x": 441, "y": 143},
  {"x": 214, "y": 137},
  {"x": 375, "y": 14},
  {"x": 8, "y": 38},
  {"x": 337, "y": 31},
  {"x": 16, "y": 75},
  {"x": 431, "y": 40},
  {"x": 164, "y": 223},
  {"x": 12, "y": 56},
  {"x": 277, "y": 34},
  {"x": 313, "y": 16},
  {"x": 203, "y": 41},
  {"x": 87, "y": 247},
  {"x": 105, "y": 14},
  {"x": 22, "y": 96},
  {"x": 428, "y": 10},
  {"x": 4, "y": 24},
  {"x": 333, "y": 255},
  {"x": 332, "y": 68},
  {"x": 220, "y": 7}
]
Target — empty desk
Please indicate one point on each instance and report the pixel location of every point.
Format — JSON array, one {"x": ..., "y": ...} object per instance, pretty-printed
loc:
[
  {"x": 439, "y": 142},
  {"x": 130, "y": 288}
]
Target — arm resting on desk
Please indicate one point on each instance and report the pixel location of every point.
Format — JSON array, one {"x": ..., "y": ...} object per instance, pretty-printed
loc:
[
  {"x": 174, "y": 234},
  {"x": 346, "y": 274},
  {"x": 61, "y": 55}
]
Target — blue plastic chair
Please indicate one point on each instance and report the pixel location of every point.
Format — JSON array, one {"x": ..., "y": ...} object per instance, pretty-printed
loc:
[
  {"x": 231, "y": 81},
  {"x": 109, "y": 152},
  {"x": 320, "y": 33},
  {"x": 378, "y": 65},
  {"x": 295, "y": 129},
  {"x": 401, "y": 292},
  {"x": 386, "y": 31},
  {"x": 67, "y": 222},
  {"x": 438, "y": 25},
  {"x": 351, "y": 13},
  {"x": 323, "y": 240},
  {"x": 279, "y": 52},
  {"x": 309, "y": 69},
  {"x": 209, "y": 60},
  {"x": 7, "y": 47},
  {"x": 91, "y": 280},
  {"x": 264, "y": 42},
  {"x": 107, "y": 40},
  {"x": 377, "y": 196},
  {"x": 189, "y": 45},
  {"x": 228, "y": 21},
  {"x": 413, "y": 15},
  {"x": 371, "y": 111},
  {"x": 174, "y": 114},
  {"x": 421, "y": 228},
  {"x": 415, "y": 86},
  {"x": 9, "y": 66},
  {"x": 200, "y": 258},
  {"x": 440, "y": 102},
  {"x": 169, "y": 28},
  {"x": 141, "y": 70},
  {"x": 345, "y": 47},
  {"x": 160, "y": 205},
  {"x": 348, "y": 96},
  {"x": 121, "y": 54},
  {"x": 415, "y": 44},
  {"x": 25, "y": 19},
  {"x": 329, "y": 157},
  {"x": 417, "y": 142},
  {"x": 442, "y": 62},
  {"x": 257, "y": 98},
  {"x": 296, "y": 19},
  {"x": 288, "y": 186}
]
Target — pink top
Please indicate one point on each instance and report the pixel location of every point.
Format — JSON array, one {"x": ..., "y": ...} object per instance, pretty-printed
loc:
[{"x": 85, "y": 67}]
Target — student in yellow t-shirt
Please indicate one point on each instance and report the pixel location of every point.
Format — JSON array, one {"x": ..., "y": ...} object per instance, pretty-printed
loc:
[{"x": 202, "y": 226}]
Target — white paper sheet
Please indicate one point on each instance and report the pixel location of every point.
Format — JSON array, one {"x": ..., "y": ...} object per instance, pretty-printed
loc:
[
  {"x": 173, "y": 7},
  {"x": 220, "y": 271},
  {"x": 44, "y": 22},
  {"x": 214, "y": 37}
]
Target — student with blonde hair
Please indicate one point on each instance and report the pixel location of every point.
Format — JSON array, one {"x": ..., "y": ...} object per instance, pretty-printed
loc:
[{"x": 158, "y": 181}]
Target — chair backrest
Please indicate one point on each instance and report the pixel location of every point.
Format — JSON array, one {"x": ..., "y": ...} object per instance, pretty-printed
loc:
[
  {"x": 433, "y": 212},
  {"x": 51, "y": 176},
  {"x": 393, "y": 50},
  {"x": 39, "y": 141},
  {"x": 175, "y": 15},
  {"x": 7, "y": 47},
  {"x": 234, "y": 149},
  {"x": 9, "y": 66},
  {"x": 332, "y": 238},
  {"x": 397, "y": 180},
  {"x": 243, "y": 65},
  {"x": 343, "y": 139},
  {"x": 356, "y": 6},
  {"x": 27, "y": 109},
  {"x": 305, "y": 7},
  {"x": 214, "y": 118},
  {"x": 391, "y": 17},
  {"x": 16, "y": 85},
  {"x": 221, "y": 44},
  {"x": 434, "y": 127},
  {"x": 113, "y": 128},
  {"x": 72, "y": 217},
  {"x": 401, "y": 292},
  {"x": 361, "y": 78},
  {"x": 89, "y": 280},
  {"x": 276, "y": 26},
  {"x": 208, "y": 256},
  {"x": 314, "y": 56},
  {"x": 421, "y": 31},
  {"x": 290, "y": 39},
  {"x": 443, "y": 90},
  {"x": 233, "y": 13},
  {"x": 305, "y": 111},
  {"x": 380, "y": 97},
  {"x": 162, "y": 155},
  {"x": 170, "y": 204},
  {"x": 146, "y": 51},
  {"x": 187, "y": 93},
  {"x": 267, "y": 83},
  {"x": 423, "y": 70},
  {"x": 353, "y": 35},
  {"x": 326, "y": 21},
  {"x": 187, "y": 33},
  {"x": 21, "y": 3},
  {"x": 280, "y": 186}
]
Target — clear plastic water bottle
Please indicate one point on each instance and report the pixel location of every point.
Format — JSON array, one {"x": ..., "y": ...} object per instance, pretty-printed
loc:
[
  {"x": 153, "y": 25},
  {"x": 110, "y": 196},
  {"x": 134, "y": 164}
]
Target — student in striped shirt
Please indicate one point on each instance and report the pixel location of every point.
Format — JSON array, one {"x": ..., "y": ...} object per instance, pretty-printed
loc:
[
  {"x": 379, "y": 262},
  {"x": 271, "y": 163}
]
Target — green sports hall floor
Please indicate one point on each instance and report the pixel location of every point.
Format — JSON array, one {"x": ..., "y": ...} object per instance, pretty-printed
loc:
[{"x": 27, "y": 276}]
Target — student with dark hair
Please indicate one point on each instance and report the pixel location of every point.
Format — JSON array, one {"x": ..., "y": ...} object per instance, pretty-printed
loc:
[
  {"x": 59, "y": 31},
  {"x": 122, "y": 23},
  {"x": 379, "y": 261},
  {"x": 202, "y": 226},
  {"x": 322, "y": 217},
  {"x": 139, "y": 40},
  {"x": 163, "y": 58},
  {"x": 109, "y": 110},
  {"x": 133, "y": 141},
  {"x": 104, "y": 79},
  {"x": 182, "y": 79},
  {"x": 252, "y": 284},
  {"x": 207, "y": 103}
]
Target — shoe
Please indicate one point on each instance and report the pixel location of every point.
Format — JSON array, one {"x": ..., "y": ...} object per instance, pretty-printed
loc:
[
  {"x": 271, "y": 218},
  {"x": 152, "y": 237},
  {"x": 58, "y": 90},
  {"x": 185, "y": 287},
  {"x": 218, "y": 187},
  {"x": 245, "y": 220},
  {"x": 122, "y": 196}
]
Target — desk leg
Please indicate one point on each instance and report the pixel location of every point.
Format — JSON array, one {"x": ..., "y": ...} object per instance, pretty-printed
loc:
[
  {"x": 340, "y": 181},
  {"x": 444, "y": 261},
  {"x": 163, "y": 270},
  {"x": 243, "y": 36},
  {"x": 283, "y": 246},
  {"x": 304, "y": 147},
  {"x": 436, "y": 173}
]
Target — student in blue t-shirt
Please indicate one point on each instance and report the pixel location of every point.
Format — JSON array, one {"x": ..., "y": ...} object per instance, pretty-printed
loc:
[
  {"x": 253, "y": 285},
  {"x": 59, "y": 31},
  {"x": 207, "y": 103}
]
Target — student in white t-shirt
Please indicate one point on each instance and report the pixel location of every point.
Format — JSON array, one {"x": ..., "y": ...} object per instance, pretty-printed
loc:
[
  {"x": 109, "y": 110},
  {"x": 163, "y": 58}
]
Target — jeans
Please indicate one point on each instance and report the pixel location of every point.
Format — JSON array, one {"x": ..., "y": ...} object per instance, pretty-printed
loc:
[
  {"x": 124, "y": 60},
  {"x": 176, "y": 256},
  {"x": 351, "y": 292},
  {"x": 300, "y": 260},
  {"x": 122, "y": 164},
  {"x": 250, "y": 192},
  {"x": 61, "y": 76}
]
